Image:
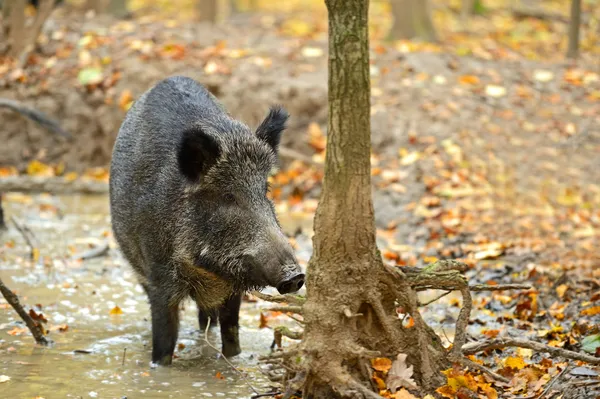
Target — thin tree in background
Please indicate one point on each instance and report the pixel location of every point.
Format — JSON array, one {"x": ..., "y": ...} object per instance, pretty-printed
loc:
[
  {"x": 118, "y": 8},
  {"x": 574, "y": 28},
  {"x": 412, "y": 20},
  {"x": 208, "y": 10},
  {"x": 19, "y": 37}
]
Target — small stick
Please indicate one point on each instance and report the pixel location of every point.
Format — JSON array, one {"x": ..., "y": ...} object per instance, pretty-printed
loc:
[
  {"x": 483, "y": 369},
  {"x": 500, "y": 343},
  {"x": 226, "y": 360},
  {"x": 554, "y": 380},
  {"x": 499, "y": 287},
  {"x": 95, "y": 252},
  {"x": 124, "y": 353},
  {"x": 435, "y": 299},
  {"x": 264, "y": 395},
  {"x": 25, "y": 236},
  {"x": 34, "y": 327}
]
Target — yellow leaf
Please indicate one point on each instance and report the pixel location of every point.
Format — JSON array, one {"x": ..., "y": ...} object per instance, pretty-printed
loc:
[
  {"x": 381, "y": 364},
  {"x": 35, "y": 252},
  {"x": 561, "y": 290},
  {"x": 116, "y": 310},
  {"x": 126, "y": 100},
  {"x": 515, "y": 362},
  {"x": 36, "y": 168}
]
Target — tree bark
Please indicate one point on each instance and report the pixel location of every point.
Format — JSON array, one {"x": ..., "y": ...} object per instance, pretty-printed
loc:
[
  {"x": 574, "y": 26},
  {"x": 412, "y": 20}
]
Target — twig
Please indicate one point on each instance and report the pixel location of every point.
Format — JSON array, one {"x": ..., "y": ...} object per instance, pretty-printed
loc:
[
  {"x": 34, "y": 327},
  {"x": 499, "y": 287},
  {"x": 95, "y": 252},
  {"x": 25, "y": 236},
  {"x": 286, "y": 309},
  {"x": 556, "y": 378},
  {"x": 434, "y": 299},
  {"x": 500, "y": 343},
  {"x": 264, "y": 395},
  {"x": 225, "y": 358},
  {"x": 469, "y": 363},
  {"x": 124, "y": 353},
  {"x": 287, "y": 298}
]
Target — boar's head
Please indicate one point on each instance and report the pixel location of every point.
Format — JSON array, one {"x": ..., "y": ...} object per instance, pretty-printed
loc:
[{"x": 227, "y": 224}]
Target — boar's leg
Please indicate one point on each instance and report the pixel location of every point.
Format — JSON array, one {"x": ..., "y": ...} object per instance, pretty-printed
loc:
[
  {"x": 204, "y": 314},
  {"x": 165, "y": 326},
  {"x": 229, "y": 315}
]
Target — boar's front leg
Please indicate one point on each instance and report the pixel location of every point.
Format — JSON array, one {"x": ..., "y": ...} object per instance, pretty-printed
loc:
[
  {"x": 165, "y": 326},
  {"x": 229, "y": 316}
]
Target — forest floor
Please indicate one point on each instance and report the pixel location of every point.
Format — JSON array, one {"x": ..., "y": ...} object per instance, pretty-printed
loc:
[{"x": 485, "y": 149}]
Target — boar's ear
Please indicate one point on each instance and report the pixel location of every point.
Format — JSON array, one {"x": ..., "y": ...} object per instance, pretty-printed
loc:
[
  {"x": 197, "y": 152},
  {"x": 271, "y": 128}
]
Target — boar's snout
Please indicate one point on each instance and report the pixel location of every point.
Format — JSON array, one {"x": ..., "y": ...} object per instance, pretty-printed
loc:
[{"x": 291, "y": 284}]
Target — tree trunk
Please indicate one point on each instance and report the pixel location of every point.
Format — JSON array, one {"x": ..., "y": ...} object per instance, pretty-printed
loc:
[
  {"x": 118, "y": 8},
  {"x": 96, "y": 5},
  {"x": 208, "y": 10},
  {"x": 412, "y": 20},
  {"x": 350, "y": 311},
  {"x": 574, "y": 26}
]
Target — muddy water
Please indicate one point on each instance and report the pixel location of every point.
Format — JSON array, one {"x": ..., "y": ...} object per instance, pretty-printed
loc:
[{"x": 101, "y": 354}]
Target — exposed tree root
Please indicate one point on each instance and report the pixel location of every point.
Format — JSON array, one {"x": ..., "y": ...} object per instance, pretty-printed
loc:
[
  {"x": 500, "y": 343},
  {"x": 35, "y": 327},
  {"x": 420, "y": 342},
  {"x": 286, "y": 309}
]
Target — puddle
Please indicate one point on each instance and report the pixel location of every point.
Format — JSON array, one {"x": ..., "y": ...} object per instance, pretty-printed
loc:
[{"x": 113, "y": 351}]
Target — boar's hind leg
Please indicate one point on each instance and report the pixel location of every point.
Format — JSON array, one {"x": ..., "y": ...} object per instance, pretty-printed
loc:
[
  {"x": 229, "y": 315},
  {"x": 165, "y": 326},
  {"x": 204, "y": 314}
]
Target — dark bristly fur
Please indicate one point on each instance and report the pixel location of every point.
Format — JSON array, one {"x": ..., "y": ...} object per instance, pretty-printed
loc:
[{"x": 190, "y": 212}]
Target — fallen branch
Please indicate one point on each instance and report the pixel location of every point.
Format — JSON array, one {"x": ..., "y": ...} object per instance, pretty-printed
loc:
[
  {"x": 52, "y": 185},
  {"x": 283, "y": 331},
  {"x": 556, "y": 378},
  {"x": 500, "y": 343},
  {"x": 528, "y": 12},
  {"x": 34, "y": 327}
]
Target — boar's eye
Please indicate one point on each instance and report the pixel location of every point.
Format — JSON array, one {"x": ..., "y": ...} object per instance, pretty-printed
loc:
[{"x": 229, "y": 198}]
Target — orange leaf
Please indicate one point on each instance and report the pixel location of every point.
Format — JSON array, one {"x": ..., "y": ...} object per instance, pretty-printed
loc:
[
  {"x": 381, "y": 364},
  {"x": 115, "y": 310},
  {"x": 591, "y": 311},
  {"x": 125, "y": 100},
  {"x": 515, "y": 363},
  {"x": 469, "y": 79},
  {"x": 264, "y": 322},
  {"x": 219, "y": 376}
]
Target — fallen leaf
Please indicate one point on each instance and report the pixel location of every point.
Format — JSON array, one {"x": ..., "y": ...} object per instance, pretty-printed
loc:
[
  {"x": 591, "y": 311},
  {"x": 4, "y": 378},
  {"x": 116, "y": 310},
  {"x": 219, "y": 376},
  {"x": 403, "y": 394},
  {"x": 515, "y": 362},
  {"x": 590, "y": 344},
  {"x": 561, "y": 290},
  {"x": 381, "y": 364},
  {"x": 400, "y": 375}
]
